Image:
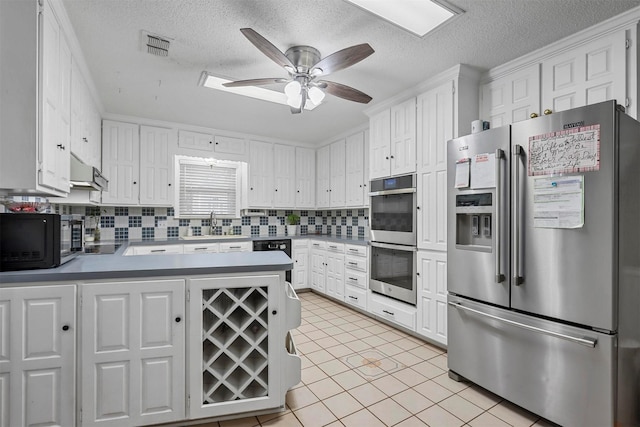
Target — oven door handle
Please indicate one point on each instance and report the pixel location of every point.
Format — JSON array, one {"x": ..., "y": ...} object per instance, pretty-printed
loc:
[
  {"x": 392, "y": 192},
  {"x": 394, "y": 247}
]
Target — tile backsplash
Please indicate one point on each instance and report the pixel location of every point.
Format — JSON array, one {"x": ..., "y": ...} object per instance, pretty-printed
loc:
[{"x": 150, "y": 223}]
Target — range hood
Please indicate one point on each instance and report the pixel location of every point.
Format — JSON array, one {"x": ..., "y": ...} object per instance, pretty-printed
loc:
[{"x": 85, "y": 177}]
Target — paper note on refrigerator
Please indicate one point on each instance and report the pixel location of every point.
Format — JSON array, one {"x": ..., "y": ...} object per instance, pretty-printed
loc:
[
  {"x": 483, "y": 171},
  {"x": 558, "y": 202},
  {"x": 567, "y": 151},
  {"x": 462, "y": 173}
]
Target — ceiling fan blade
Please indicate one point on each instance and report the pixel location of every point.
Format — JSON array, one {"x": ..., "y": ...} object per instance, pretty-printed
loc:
[
  {"x": 266, "y": 47},
  {"x": 344, "y": 58},
  {"x": 254, "y": 82},
  {"x": 345, "y": 92}
]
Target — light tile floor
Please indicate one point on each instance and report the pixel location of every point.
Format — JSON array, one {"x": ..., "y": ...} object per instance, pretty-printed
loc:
[{"x": 358, "y": 372}]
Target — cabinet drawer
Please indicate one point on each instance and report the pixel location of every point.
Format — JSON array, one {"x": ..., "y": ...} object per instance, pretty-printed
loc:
[
  {"x": 335, "y": 247},
  {"x": 356, "y": 250},
  {"x": 201, "y": 248},
  {"x": 318, "y": 245},
  {"x": 393, "y": 311},
  {"x": 157, "y": 250},
  {"x": 355, "y": 263},
  {"x": 356, "y": 297},
  {"x": 300, "y": 243},
  {"x": 355, "y": 278},
  {"x": 236, "y": 247}
]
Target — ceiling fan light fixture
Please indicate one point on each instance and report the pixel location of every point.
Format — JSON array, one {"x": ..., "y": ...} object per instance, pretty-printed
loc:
[
  {"x": 316, "y": 95},
  {"x": 316, "y": 72},
  {"x": 295, "y": 101},
  {"x": 292, "y": 89}
]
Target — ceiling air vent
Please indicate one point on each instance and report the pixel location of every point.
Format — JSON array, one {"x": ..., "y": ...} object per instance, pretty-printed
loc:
[{"x": 157, "y": 45}]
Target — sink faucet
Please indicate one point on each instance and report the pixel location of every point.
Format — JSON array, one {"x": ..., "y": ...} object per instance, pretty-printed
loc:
[{"x": 212, "y": 222}]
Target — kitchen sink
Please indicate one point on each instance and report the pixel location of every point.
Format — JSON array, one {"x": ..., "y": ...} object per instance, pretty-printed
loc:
[{"x": 212, "y": 237}]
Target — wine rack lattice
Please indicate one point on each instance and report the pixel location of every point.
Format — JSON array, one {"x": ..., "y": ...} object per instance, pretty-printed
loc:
[{"x": 234, "y": 344}]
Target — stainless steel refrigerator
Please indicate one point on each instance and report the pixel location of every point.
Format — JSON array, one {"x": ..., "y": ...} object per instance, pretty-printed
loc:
[{"x": 544, "y": 264}]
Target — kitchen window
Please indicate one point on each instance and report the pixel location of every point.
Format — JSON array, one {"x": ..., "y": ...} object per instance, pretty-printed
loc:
[{"x": 209, "y": 185}]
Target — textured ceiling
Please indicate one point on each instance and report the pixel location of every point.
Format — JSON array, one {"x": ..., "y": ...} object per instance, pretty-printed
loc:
[{"x": 206, "y": 36}]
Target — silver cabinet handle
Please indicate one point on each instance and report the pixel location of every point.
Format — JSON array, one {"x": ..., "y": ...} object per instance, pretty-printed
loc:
[
  {"x": 353, "y": 278},
  {"x": 352, "y": 297},
  {"x": 353, "y": 250},
  {"x": 158, "y": 250},
  {"x": 235, "y": 247},
  {"x": 353, "y": 263},
  {"x": 586, "y": 341},
  {"x": 199, "y": 249},
  {"x": 388, "y": 312},
  {"x": 517, "y": 152},
  {"x": 496, "y": 233}
]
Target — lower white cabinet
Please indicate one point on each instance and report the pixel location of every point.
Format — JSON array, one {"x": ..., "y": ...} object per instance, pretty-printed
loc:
[
  {"x": 236, "y": 246},
  {"x": 432, "y": 295},
  {"x": 300, "y": 255},
  {"x": 201, "y": 248},
  {"x": 156, "y": 250},
  {"x": 355, "y": 296},
  {"x": 37, "y": 356},
  {"x": 392, "y": 310},
  {"x": 318, "y": 263},
  {"x": 334, "y": 270},
  {"x": 236, "y": 340},
  {"x": 133, "y": 352}
]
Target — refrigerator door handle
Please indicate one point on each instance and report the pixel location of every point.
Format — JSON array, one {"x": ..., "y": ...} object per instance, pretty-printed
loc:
[
  {"x": 517, "y": 279},
  {"x": 499, "y": 156},
  {"x": 585, "y": 341}
]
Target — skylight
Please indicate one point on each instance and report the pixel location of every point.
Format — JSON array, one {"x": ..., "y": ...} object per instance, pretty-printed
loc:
[
  {"x": 213, "y": 82},
  {"x": 416, "y": 16}
]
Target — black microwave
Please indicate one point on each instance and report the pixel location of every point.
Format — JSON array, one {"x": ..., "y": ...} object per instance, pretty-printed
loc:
[{"x": 39, "y": 240}]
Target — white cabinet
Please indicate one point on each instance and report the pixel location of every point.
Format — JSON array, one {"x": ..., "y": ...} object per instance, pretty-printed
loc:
[
  {"x": 284, "y": 176},
  {"x": 323, "y": 171},
  {"x": 337, "y": 179},
  {"x": 37, "y": 355},
  {"x": 237, "y": 345},
  {"x": 356, "y": 155},
  {"x": 393, "y": 140},
  {"x": 318, "y": 263},
  {"x": 587, "y": 74},
  {"x": 201, "y": 248},
  {"x": 392, "y": 310},
  {"x": 121, "y": 162},
  {"x": 236, "y": 246},
  {"x": 133, "y": 352},
  {"x": 356, "y": 267},
  {"x": 435, "y": 128},
  {"x": 300, "y": 255},
  {"x": 156, "y": 166},
  {"x": 512, "y": 98},
  {"x": 85, "y": 121},
  {"x": 432, "y": 295},
  {"x": 218, "y": 144},
  {"x": 305, "y": 178},
  {"x": 260, "y": 174},
  {"x": 157, "y": 250},
  {"x": 334, "y": 270}
]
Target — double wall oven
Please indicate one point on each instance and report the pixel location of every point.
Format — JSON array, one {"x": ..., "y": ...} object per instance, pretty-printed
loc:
[{"x": 393, "y": 237}]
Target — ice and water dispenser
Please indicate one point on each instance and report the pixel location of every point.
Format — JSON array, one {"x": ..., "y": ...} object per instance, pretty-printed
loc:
[{"x": 474, "y": 219}]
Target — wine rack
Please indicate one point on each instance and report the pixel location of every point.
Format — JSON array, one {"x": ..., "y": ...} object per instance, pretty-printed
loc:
[{"x": 235, "y": 344}]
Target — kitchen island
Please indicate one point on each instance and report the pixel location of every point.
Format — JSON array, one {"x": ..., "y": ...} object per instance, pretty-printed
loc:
[{"x": 158, "y": 339}]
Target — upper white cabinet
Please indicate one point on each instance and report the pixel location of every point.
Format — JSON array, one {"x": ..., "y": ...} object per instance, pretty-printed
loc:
[
  {"x": 85, "y": 121},
  {"x": 305, "y": 178},
  {"x": 133, "y": 352},
  {"x": 323, "y": 171},
  {"x": 337, "y": 179},
  {"x": 156, "y": 166},
  {"x": 121, "y": 162},
  {"x": 39, "y": 82},
  {"x": 393, "y": 140},
  {"x": 37, "y": 356},
  {"x": 218, "y": 144},
  {"x": 357, "y": 152},
  {"x": 582, "y": 71},
  {"x": 284, "y": 176}
]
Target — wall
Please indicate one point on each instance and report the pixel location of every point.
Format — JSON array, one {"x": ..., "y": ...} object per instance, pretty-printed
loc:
[{"x": 140, "y": 223}]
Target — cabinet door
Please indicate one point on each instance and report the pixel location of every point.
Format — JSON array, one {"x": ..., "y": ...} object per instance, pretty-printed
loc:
[
  {"x": 121, "y": 162},
  {"x": 585, "y": 75},
  {"x": 284, "y": 175},
  {"x": 403, "y": 138},
  {"x": 260, "y": 174},
  {"x": 432, "y": 295},
  {"x": 512, "y": 98},
  {"x": 324, "y": 177},
  {"x": 37, "y": 356},
  {"x": 230, "y": 145},
  {"x": 133, "y": 352},
  {"x": 435, "y": 128},
  {"x": 156, "y": 166},
  {"x": 78, "y": 97},
  {"x": 195, "y": 140},
  {"x": 305, "y": 178},
  {"x": 63, "y": 155},
  {"x": 355, "y": 181},
  {"x": 300, "y": 268},
  {"x": 379, "y": 144},
  {"x": 335, "y": 275},
  {"x": 236, "y": 345},
  {"x": 338, "y": 174},
  {"x": 318, "y": 270}
]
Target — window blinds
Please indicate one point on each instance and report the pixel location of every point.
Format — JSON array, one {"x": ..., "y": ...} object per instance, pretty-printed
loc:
[{"x": 206, "y": 187}]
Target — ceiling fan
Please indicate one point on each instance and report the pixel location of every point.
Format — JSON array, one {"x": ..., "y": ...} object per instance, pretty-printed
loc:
[{"x": 305, "y": 68}]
